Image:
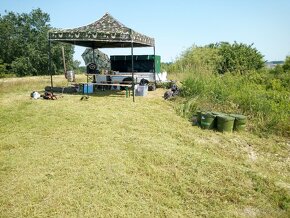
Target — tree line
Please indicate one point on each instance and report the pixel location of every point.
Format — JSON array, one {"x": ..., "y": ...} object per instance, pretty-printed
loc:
[{"x": 24, "y": 45}]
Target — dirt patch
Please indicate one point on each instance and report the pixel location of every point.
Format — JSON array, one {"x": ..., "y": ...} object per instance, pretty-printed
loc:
[{"x": 250, "y": 212}]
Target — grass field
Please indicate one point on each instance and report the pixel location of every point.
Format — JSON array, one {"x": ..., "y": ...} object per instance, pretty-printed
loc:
[{"x": 108, "y": 156}]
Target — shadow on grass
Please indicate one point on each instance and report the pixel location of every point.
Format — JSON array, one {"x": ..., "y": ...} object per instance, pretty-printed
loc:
[{"x": 96, "y": 93}]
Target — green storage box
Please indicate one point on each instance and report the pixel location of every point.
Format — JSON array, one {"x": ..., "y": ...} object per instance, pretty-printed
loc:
[
  {"x": 217, "y": 114},
  {"x": 225, "y": 123},
  {"x": 240, "y": 122},
  {"x": 207, "y": 120},
  {"x": 199, "y": 117}
]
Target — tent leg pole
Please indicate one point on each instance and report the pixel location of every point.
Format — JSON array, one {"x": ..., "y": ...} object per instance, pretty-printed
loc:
[
  {"x": 49, "y": 66},
  {"x": 87, "y": 85},
  {"x": 94, "y": 61},
  {"x": 154, "y": 67},
  {"x": 133, "y": 81}
]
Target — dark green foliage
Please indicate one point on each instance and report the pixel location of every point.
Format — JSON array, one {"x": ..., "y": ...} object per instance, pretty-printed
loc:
[
  {"x": 279, "y": 78},
  {"x": 82, "y": 69},
  {"x": 24, "y": 44},
  {"x": 23, "y": 67},
  {"x": 219, "y": 58},
  {"x": 201, "y": 59},
  {"x": 258, "y": 94},
  {"x": 76, "y": 64},
  {"x": 232, "y": 78},
  {"x": 193, "y": 87},
  {"x": 4, "y": 70},
  {"x": 196, "y": 59},
  {"x": 286, "y": 65},
  {"x": 238, "y": 57}
]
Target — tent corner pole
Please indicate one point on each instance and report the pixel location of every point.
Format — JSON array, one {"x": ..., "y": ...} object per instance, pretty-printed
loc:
[
  {"x": 49, "y": 65},
  {"x": 132, "y": 63},
  {"x": 154, "y": 70}
]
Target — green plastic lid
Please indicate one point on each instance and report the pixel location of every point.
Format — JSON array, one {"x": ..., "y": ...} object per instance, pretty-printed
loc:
[
  {"x": 238, "y": 116},
  {"x": 210, "y": 114},
  {"x": 225, "y": 117}
]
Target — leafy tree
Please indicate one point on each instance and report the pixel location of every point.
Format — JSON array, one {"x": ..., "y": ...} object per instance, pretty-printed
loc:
[
  {"x": 76, "y": 64},
  {"x": 220, "y": 58},
  {"x": 24, "y": 44},
  {"x": 286, "y": 65},
  {"x": 3, "y": 70},
  {"x": 23, "y": 67},
  {"x": 238, "y": 57}
]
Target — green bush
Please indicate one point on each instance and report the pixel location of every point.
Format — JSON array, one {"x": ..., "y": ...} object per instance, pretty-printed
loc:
[
  {"x": 238, "y": 57},
  {"x": 267, "y": 107},
  {"x": 193, "y": 87},
  {"x": 220, "y": 58},
  {"x": 4, "y": 73},
  {"x": 286, "y": 65},
  {"x": 22, "y": 66},
  {"x": 249, "y": 89}
]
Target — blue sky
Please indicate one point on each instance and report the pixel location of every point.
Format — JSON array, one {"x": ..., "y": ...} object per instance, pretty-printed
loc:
[{"x": 178, "y": 24}]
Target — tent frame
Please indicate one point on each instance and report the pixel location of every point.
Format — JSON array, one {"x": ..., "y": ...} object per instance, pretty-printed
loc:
[{"x": 106, "y": 32}]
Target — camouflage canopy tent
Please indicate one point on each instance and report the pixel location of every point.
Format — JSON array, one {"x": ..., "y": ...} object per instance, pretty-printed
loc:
[{"x": 106, "y": 32}]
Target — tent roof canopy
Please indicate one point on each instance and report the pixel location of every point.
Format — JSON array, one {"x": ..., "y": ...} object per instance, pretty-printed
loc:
[{"x": 106, "y": 32}]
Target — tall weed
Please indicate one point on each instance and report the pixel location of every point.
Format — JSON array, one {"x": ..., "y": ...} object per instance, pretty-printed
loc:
[{"x": 267, "y": 108}]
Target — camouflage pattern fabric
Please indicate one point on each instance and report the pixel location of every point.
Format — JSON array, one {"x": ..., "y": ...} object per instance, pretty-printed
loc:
[
  {"x": 101, "y": 59},
  {"x": 106, "y": 32}
]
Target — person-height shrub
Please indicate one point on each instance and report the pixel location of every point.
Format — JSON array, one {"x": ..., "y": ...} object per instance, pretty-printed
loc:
[
  {"x": 220, "y": 58},
  {"x": 238, "y": 57},
  {"x": 231, "y": 78}
]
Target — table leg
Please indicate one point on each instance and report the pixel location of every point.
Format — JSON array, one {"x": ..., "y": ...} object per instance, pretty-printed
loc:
[{"x": 127, "y": 92}]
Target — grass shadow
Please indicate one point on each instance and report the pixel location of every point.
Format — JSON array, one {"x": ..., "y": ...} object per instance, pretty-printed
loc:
[{"x": 96, "y": 92}]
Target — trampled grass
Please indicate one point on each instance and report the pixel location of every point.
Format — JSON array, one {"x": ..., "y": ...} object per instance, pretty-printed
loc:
[{"x": 108, "y": 156}]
